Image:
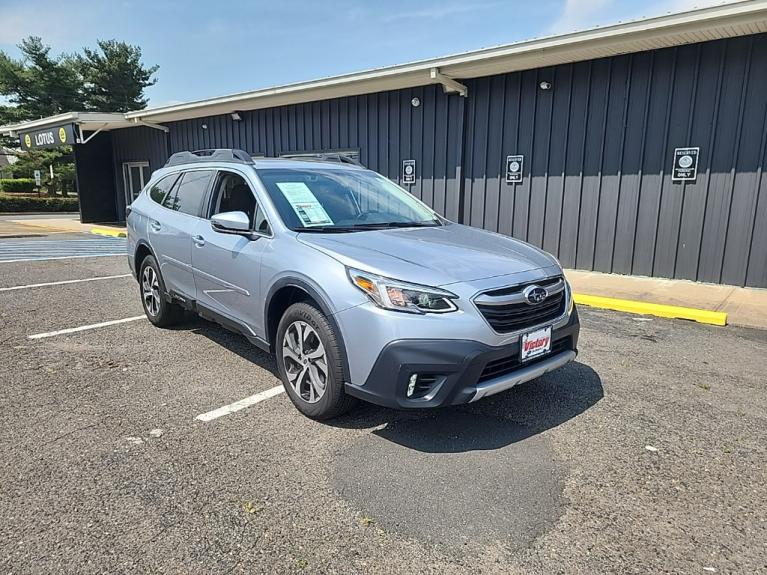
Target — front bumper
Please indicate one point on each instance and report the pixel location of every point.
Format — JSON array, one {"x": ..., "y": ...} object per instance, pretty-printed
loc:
[{"x": 458, "y": 371}]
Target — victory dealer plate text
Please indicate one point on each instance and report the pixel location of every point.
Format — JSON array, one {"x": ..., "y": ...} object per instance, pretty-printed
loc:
[{"x": 536, "y": 343}]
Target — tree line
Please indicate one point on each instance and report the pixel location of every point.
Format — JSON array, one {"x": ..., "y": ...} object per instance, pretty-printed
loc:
[
  {"x": 37, "y": 84},
  {"x": 110, "y": 78}
]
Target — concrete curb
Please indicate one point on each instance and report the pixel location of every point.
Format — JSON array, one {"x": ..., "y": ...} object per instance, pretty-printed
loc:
[
  {"x": 109, "y": 232},
  {"x": 645, "y": 308}
]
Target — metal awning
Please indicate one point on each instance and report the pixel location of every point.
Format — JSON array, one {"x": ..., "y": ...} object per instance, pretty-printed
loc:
[
  {"x": 87, "y": 121},
  {"x": 69, "y": 128}
]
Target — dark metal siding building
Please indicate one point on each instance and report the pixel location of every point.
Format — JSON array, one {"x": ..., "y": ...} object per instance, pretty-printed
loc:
[
  {"x": 142, "y": 144},
  {"x": 600, "y": 119},
  {"x": 598, "y": 146},
  {"x": 384, "y": 127},
  {"x": 598, "y": 149}
]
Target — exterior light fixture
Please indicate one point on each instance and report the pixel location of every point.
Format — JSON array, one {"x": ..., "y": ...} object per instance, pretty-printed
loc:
[
  {"x": 236, "y": 116},
  {"x": 204, "y": 126},
  {"x": 415, "y": 102},
  {"x": 545, "y": 85}
]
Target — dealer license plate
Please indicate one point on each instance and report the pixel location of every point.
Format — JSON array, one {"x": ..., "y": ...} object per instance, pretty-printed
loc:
[{"x": 536, "y": 343}]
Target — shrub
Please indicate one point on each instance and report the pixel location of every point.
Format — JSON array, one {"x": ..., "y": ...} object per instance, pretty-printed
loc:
[
  {"x": 15, "y": 204},
  {"x": 22, "y": 185}
]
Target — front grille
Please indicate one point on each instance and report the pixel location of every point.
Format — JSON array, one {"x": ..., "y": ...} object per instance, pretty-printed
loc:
[
  {"x": 516, "y": 316},
  {"x": 504, "y": 365},
  {"x": 548, "y": 282}
]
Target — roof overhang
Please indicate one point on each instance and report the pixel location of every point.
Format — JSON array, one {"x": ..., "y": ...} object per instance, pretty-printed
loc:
[
  {"x": 85, "y": 121},
  {"x": 723, "y": 21}
]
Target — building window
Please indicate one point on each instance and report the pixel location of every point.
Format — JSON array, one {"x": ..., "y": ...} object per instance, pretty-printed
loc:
[{"x": 135, "y": 177}]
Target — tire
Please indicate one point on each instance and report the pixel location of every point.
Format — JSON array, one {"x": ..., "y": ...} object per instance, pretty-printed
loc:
[
  {"x": 300, "y": 365},
  {"x": 157, "y": 308}
]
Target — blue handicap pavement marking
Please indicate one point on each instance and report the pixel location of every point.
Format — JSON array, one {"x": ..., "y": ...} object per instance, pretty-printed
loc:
[{"x": 12, "y": 250}]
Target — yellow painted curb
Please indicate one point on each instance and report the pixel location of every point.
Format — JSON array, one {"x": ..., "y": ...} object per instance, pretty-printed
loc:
[
  {"x": 645, "y": 308},
  {"x": 109, "y": 232}
]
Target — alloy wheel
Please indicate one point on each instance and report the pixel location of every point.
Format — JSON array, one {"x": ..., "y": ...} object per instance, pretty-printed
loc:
[
  {"x": 150, "y": 290},
  {"x": 306, "y": 362}
]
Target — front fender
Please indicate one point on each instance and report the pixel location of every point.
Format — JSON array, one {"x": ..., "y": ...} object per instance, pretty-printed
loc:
[{"x": 323, "y": 301}]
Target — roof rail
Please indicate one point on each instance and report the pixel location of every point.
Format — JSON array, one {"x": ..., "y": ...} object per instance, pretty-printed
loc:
[
  {"x": 323, "y": 157},
  {"x": 213, "y": 155}
]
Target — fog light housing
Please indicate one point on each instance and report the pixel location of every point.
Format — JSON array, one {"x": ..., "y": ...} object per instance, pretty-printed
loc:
[{"x": 420, "y": 385}]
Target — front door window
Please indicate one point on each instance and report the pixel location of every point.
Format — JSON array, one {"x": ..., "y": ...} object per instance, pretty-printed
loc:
[{"x": 135, "y": 175}]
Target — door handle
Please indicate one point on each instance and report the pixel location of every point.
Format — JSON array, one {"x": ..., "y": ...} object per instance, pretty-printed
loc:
[
  {"x": 155, "y": 226},
  {"x": 199, "y": 241}
]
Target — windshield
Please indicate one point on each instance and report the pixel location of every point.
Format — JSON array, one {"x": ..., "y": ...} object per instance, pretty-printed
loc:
[{"x": 330, "y": 200}]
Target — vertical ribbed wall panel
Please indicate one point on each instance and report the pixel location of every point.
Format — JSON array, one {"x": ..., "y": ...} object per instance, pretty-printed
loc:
[{"x": 598, "y": 146}]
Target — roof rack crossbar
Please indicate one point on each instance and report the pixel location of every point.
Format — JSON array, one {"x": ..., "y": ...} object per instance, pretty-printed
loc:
[
  {"x": 324, "y": 157},
  {"x": 211, "y": 155}
]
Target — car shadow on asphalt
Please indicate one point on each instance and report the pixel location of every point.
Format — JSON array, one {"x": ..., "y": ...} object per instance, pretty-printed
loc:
[
  {"x": 492, "y": 423},
  {"x": 231, "y": 341}
]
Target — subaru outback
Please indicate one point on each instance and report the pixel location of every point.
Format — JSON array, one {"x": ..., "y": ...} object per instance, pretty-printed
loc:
[{"x": 360, "y": 290}]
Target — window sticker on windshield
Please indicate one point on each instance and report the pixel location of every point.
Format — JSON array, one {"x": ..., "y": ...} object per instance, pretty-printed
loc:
[{"x": 303, "y": 202}]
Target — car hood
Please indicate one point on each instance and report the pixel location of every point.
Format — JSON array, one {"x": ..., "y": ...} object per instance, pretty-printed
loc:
[{"x": 436, "y": 256}]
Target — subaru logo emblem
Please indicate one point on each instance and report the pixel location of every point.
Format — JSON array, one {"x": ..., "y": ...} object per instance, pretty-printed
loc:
[{"x": 535, "y": 294}]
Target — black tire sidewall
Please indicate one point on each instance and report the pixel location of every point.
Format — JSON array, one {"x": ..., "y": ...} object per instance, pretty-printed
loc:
[{"x": 334, "y": 400}]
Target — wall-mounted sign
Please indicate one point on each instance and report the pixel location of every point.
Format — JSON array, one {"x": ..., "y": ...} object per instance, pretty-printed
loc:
[
  {"x": 49, "y": 137},
  {"x": 685, "y": 164},
  {"x": 514, "y": 166},
  {"x": 408, "y": 172}
]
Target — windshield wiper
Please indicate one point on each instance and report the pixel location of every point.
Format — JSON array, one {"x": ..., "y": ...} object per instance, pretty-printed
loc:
[
  {"x": 386, "y": 225},
  {"x": 327, "y": 229}
]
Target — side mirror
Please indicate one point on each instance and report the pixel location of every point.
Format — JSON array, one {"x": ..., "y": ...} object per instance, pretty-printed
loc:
[{"x": 232, "y": 223}]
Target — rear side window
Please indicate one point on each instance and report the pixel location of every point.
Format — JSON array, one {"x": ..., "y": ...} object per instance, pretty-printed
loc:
[
  {"x": 187, "y": 196},
  {"x": 158, "y": 191}
]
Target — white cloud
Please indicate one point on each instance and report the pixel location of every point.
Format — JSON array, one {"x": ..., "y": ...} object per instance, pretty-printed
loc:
[
  {"x": 580, "y": 14},
  {"x": 437, "y": 12},
  {"x": 682, "y": 5},
  {"x": 63, "y": 25}
]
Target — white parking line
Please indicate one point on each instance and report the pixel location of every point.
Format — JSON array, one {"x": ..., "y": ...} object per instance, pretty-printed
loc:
[
  {"x": 242, "y": 404},
  {"x": 85, "y": 327},
  {"x": 64, "y": 282},
  {"x": 59, "y": 258}
]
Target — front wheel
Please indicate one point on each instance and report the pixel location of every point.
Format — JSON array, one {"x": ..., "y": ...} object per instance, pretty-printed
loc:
[{"x": 310, "y": 363}]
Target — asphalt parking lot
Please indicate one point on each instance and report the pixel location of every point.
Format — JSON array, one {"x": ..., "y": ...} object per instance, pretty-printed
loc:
[{"x": 647, "y": 455}]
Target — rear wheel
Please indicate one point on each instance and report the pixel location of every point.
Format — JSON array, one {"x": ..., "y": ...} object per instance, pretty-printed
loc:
[
  {"x": 310, "y": 363},
  {"x": 157, "y": 308}
]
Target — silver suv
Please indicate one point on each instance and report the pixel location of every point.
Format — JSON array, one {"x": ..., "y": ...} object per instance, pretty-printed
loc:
[{"x": 359, "y": 289}]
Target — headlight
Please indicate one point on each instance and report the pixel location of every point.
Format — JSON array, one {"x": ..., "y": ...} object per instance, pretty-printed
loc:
[
  {"x": 569, "y": 296},
  {"x": 402, "y": 296}
]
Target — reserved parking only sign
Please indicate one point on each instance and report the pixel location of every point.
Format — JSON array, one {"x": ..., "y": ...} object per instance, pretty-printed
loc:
[
  {"x": 514, "y": 169},
  {"x": 408, "y": 172},
  {"x": 685, "y": 164}
]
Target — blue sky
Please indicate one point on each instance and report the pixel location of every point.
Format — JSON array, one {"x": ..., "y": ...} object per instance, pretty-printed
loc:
[{"x": 211, "y": 48}]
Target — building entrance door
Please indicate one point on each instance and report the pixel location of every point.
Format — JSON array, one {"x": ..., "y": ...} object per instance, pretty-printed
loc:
[{"x": 135, "y": 176}]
